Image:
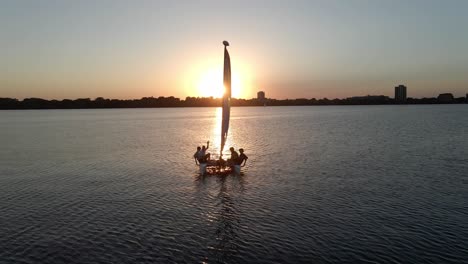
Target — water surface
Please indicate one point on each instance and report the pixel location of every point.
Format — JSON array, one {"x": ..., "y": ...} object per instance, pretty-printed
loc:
[{"x": 329, "y": 184}]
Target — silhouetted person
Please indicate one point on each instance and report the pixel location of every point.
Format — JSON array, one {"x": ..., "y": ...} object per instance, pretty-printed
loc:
[
  {"x": 197, "y": 156},
  {"x": 234, "y": 156},
  {"x": 202, "y": 155},
  {"x": 242, "y": 157}
]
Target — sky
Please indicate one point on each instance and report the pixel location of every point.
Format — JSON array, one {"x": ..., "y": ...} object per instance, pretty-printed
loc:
[{"x": 289, "y": 49}]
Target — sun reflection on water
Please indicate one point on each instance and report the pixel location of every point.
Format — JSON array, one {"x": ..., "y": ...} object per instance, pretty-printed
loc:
[
  {"x": 216, "y": 136},
  {"x": 222, "y": 195}
]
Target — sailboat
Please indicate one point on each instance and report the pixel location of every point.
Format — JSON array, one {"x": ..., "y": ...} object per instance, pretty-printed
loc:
[{"x": 220, "y": 166}]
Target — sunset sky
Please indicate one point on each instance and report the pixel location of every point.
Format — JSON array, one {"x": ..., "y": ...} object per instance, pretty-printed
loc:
[{"x": 289, "y": 49}]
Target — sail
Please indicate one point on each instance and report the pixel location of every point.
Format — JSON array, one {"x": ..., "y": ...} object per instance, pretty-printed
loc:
[{"x": 226, "y": 96}]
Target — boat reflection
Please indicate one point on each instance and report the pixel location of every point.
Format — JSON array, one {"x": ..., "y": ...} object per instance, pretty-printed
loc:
[{"x": 224, "y": 247}]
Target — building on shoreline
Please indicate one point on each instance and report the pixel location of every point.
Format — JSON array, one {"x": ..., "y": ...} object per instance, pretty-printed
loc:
[
  {"x": 400, "y": 94},
  {"x": 261, "y": 95},
  {"x": 261, "y": 98}
]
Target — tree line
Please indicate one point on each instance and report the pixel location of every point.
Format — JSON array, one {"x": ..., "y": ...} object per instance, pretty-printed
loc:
[{"x": 155, "y": 102}]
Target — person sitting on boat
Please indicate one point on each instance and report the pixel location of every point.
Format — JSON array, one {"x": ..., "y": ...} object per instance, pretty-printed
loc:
[
  {"x": 242, "y": 157},
  {"x": 234, "y": 157},
  {"x": 202, "y": 155},
  {"x": 196, "y": 156}
]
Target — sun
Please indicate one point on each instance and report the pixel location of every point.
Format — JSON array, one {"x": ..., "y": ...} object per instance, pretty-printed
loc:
[
  {"x": 205, "y": 79},
  {"x": 211, "y": 83}
]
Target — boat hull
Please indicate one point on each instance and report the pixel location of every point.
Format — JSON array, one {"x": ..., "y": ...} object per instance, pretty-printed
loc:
[{"x": 207, "y": 169}]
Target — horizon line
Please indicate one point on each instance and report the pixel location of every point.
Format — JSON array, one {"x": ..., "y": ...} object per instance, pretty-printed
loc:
[{"x": 212, "y": 97}]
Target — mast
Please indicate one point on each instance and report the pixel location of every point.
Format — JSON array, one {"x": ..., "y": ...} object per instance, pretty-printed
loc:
[{"x": 226, "y": 97}]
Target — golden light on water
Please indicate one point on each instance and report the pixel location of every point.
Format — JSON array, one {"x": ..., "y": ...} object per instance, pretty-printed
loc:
[
  {"x": 216, "y": 136},
  {"x": 216, "y": 133}
]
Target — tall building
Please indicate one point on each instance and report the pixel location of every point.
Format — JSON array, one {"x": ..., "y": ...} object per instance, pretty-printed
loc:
[
  {"x": 400, "y": 93},
  {"x": 261, "y": 95}
]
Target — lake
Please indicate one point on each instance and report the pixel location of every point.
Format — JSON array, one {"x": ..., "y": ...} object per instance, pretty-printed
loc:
[{"x": 323, "y": 184}]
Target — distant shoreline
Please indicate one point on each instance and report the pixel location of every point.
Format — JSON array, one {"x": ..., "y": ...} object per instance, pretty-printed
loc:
[{"x": 170, "y": 102}]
